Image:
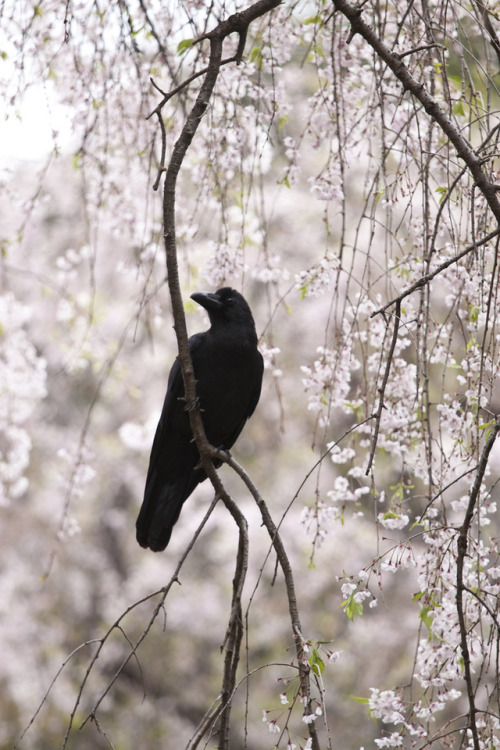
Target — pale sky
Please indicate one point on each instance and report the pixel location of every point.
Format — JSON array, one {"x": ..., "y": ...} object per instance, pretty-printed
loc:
[{"x": 29, "y": 136}]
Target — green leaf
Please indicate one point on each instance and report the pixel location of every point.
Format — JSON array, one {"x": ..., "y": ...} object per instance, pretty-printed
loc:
[
  {"x": 389, "y": 514},
  {"x": 474, "y": 311},
  {"x": 488, "y": 426},
  {"x": 282, "y": 122},
  {"x": 427, "y": 615},
  {"x": 442, "y": 193},
  {"x": 316, "y": 662},
  {"x": 4, "y": 245},
  {"x": 364, "y": 701},
  {"x": 352, "y": 607},
  {"x": 303, "y": 290},
  {"x": 184, "y": 45},
  {"x": 458, "y": 108},
  {"x": 256, "y": 56},
  {"x": 138, "y": 31},
  {"x": 421, "y": 522},
  {"x": 312, "y": 19}
]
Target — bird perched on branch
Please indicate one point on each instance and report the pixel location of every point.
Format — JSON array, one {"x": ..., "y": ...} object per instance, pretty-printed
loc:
[{"x": 228, "y": 369}]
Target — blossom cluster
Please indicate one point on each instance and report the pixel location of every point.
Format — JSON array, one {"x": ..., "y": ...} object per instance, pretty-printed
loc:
[{"x": 22, "y": 387}]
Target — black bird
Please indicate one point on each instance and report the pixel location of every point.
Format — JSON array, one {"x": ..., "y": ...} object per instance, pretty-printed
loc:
[{"x": 228, "y": 369}]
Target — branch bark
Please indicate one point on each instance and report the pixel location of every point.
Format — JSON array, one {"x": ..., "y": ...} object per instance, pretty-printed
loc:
[
  {"x": 423, "y": 280},
  {"x": 284, "y": 562},
  {"x": 417, "y": 88},
  {"x": 462, "y": 551},
  {"x": 378, "y": 413},
  {"x": 238, "y": 23}
]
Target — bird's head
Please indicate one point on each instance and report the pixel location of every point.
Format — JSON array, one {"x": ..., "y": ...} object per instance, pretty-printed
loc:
[{"x": 226, "y": 307}]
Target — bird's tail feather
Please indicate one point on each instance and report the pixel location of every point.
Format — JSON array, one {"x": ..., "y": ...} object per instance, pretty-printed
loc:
[{"x": 161, "y": 509}]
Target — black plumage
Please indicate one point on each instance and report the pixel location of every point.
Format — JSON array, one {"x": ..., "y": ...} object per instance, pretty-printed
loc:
[{"x": 228, "y": 369}]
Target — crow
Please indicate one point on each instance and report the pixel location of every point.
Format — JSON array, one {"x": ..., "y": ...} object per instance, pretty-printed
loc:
[{"x": 228, "y": 369}]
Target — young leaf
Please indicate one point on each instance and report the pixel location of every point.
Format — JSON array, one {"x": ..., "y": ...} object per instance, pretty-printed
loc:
[
  {"x": 184, "y": 45},
  {"x": 352, "y": 607},
  {"x": 316, "y": 662}
]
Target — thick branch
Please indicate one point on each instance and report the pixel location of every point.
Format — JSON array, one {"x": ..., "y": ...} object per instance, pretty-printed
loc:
[
  {"x": 461, "y": 555},
  {"x": 394, "y": 62},
  {"x": 238, "y": 22}
]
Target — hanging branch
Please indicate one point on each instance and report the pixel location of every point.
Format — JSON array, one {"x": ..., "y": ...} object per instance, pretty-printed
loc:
[
  {"x": 484, "y": 14},
  {"x": 423, "y": 280},
  {"x": 234, "y": 635},
  {"x": 461, "y": 587},
  {"x": 490, "y": 192},
  {"x": 378, "y": 413},
  {"x": 292, "y": 598},
  {"x": 238, "y": 23},
  {"x": 418, "y": 89}
]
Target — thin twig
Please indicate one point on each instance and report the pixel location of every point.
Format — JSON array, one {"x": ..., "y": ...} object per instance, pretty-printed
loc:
[
  {"x": 483, "y": 604},
  {"x": 164, "y": 591},
  {"x": 420, "y": 49},
  {"x": 161, "y": 167},
  {"x": 378, "y": 413},
  {"x": 102, "y": 641},
  {"x": 183, "y": 85},
  {"x": 423, "y": 280},
  {"x": 290, "y": 588}
]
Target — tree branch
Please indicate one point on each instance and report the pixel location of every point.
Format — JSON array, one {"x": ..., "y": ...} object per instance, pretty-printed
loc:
[
  {"x": 292, "y": 597},
  {"x": 485, "y": 16},
  {"x": 118, "y": 625},
  {"x": 232, "y": 641},
  {"x": 423, "y": 280},
  {"x": 461, "y": 587},
  {"x": 238, "y": 23},
  {"x": 378, "y": 413},
  {"x": 394, "y": 62}
]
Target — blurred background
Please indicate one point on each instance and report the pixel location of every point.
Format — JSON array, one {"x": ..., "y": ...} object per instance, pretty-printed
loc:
[{"x": 319, "y": 189}]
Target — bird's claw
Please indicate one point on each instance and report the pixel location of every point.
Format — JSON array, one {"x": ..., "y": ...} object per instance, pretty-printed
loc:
[{"x": 196, "y": 405}]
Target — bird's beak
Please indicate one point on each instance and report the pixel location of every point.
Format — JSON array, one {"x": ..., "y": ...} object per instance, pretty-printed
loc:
[{"x": 207, "y": 300}]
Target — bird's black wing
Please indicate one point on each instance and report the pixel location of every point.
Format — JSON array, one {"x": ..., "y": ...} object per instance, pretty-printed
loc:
[
  {"x": 171, "y": 476},
  {"x": 256, "y": 377},
  {"x": 242, "y": 384},
  {"x": 255, "y": 396}
]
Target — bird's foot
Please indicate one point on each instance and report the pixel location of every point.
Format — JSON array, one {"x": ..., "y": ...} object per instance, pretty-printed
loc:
[
  {"x": 227, "y": 454},
  {"x": 196, "y": 405}
]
